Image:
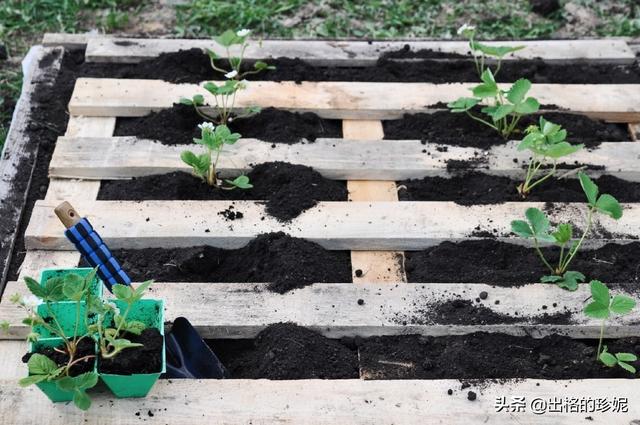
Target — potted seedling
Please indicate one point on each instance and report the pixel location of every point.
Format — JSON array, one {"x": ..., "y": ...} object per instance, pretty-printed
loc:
[
  {"x": 61, "y": 359},
  {"x": 538, "y": 228},
  {"x": 130, "y": 335},
  {"x": 602, "y": 306}
]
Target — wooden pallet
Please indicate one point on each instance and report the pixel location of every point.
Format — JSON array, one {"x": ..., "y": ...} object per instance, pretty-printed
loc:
[{"x": 374, "y": 226}]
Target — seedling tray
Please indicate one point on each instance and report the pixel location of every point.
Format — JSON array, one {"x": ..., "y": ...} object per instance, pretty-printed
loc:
[{"x": 374, "y": 226}]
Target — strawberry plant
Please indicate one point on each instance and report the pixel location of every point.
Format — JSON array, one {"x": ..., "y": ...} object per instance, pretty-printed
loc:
[
  {"x": 538, "y": 229},
  {"x": 602, "y": 306},
  {"x": 224, "y": 94},
  {"x": 483, "y": 53},
  {"x": 205, "y": 165},
  {"x": 547, "y": 142}
]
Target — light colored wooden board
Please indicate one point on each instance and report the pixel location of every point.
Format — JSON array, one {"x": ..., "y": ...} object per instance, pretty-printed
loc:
[
  {"x": 70, "y": 41},
  {"x": 18, "y": 155},
  {"x": 374, "y": 266},
  {"x": 343, "y": 100},
  {"x": 339, "y": 159},
  {"x": 36, "y": 260},
  {"x": 400, "y": 402},
  {"x": 11, "y": 353},
  {"x": 634, "y": 131},
  {"x": 334, "y": 225},
  {"x": 354, "y": 53},
  {"x": 242, "y": 310}
]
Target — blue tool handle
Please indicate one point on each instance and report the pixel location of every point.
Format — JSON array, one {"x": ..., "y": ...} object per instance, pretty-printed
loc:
[{"x": 91, "y": 246}]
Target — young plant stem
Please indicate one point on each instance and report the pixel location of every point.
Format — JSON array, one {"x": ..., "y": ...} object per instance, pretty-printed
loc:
[
  {"x": 600, "y": 340},
  {"x": 574, "y": 251},
  {"x": 482, "y": 121},
  {"x": 541, "y": 255}
]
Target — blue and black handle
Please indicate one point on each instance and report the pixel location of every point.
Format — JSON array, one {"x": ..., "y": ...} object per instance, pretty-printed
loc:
[{"x": 91, "y": 246}]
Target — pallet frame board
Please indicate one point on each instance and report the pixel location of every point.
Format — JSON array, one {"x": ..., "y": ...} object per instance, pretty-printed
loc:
[
  {"x": 333, "y": 225},
  {"x": 18, "y": 154},
  {"x": 338, "y": 159},
  {"x": 244, "y": 309},
  {"x": 343, "y": 100},
  {"x": 188, "y": 402},
  {"x": 355, "y": 53}
]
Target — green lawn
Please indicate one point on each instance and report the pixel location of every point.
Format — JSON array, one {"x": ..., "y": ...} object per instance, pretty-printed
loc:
[{"x": 22, "y": 22}]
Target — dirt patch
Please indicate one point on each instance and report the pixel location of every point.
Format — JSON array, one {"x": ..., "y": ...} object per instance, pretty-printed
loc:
[
  {"x": 288, "y": 189},
  {"x": 503, "y": 264},
  {"x": 179, "y": 125},
  {"x": 284, "y": 262},
  {"x": 459, "y": 130},
  {"x": 487, "y": 356},
  {"x": 145, "y": 359},
  {"x": 86, "y": 347},
  {"x": 476, "y": 188},
  {"x": 287, "y": 351}
]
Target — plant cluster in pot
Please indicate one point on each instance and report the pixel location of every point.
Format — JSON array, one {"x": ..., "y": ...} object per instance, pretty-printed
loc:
[{"x": 75, "y": 333}]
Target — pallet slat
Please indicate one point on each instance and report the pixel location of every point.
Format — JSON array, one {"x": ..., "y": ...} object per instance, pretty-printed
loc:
[
  {"x": 340, "y": 159},
  {"x": 334, "y": 225},
  {"x": 189, "y": 402},
  {"x": 343, "y": 100},
  {"x": 244, "y": 309},
  {"x": 352, "y": 53}
]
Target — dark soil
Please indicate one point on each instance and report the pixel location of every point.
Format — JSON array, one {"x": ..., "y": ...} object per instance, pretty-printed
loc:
[
  {"x": 503, "y": 264},
  {"x": 86, "y": 347},
  {"x": 192, "y": 66},
  {"x": 487, "y": 356},
  {"x": 287, "y": 351},
  {"x": 544, "y": 7},
  {"x": 288, "y": 189},
  {"x": 178, "y": 125},
  {"x": 285, "y": 262},
  {"x": 137, "y": 360},
  {"x": 478, "y": 188},
  {"x": 460, "y": 130}
]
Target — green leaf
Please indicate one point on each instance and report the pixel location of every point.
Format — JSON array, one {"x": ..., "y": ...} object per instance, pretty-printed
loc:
[
  {"x": 35, "y": 288},
  {"x": 54, "y": 289},
  {"x": 564, "y": 233},
  {"x": 521, "y": 228},
  {"x": 86, "y": 380},
  {"x": 39, "y": 364},
  {"x": 496, "y": 51},
  {"x": 122, "y": 292},
  {"x": 622, "y": 304},
  {"x": 121, "y": 344},
  {"x": 589, "y": 187},
  {"x": 82, "y": 400},
  {"x": 609, "y": 205},
  {"x": 485, "y": 90},
  {"x": 135, "y": 327},
  {"x": 241, "y": 182},
  {"x": 596, "y": 310},
  {"x": 498, "y": 112},
  {"x": 570, "y": 280},
  {"x": 212, "y": 55},
  {"x": 32, "y": 379},
  {"x": 73, "y": 287},
  {"x": 539, "y": 224},
  {"x": 463, "y": 104},
  {"x": 561, "y": 149},
  {"x": 518, "y": 91},
  {"x": 261, "y": 66},
  {"x": 627, "y": 367},
  {"x": 228, "y": 38},
  {"x": 141, "y": 288},
  {"x": 608, "y": 359},
  {"x": 626, "y": 357},
  {"x": 529, "y": 106},
  {"x": 530, "y": 140},
  {"x": 600, "y": 293},
  {"x": 552, "y": 278},
  {"x": 186, "y": 101},
  {"x": 198, "y": 100}
]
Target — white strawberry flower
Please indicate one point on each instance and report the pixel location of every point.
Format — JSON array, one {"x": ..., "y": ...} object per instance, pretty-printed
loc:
[
  {"x": 231, "y": 74},
  {"x": 207, "y": 126},
  {"x": 114, "y": 307},
  {"x": 31, "y": 301},
  {"x": 243, "y": 32},
  {"x": 466, "y": 29}
]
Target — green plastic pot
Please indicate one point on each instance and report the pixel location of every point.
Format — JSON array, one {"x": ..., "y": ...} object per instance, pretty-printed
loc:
[
  {"x": 65, "y": 312},
  {"x": 151, "y": 313},
  {"x": 96, "y": 285},
  {"x": 50, "y": 388}
]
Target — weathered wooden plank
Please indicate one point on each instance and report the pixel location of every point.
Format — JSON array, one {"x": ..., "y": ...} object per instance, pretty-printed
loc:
[
  {"x": 340, "y": 159},
  {"x": 70, "y": 41},
  {"x": 11, "y": 353},
  {"x": 237, "y": 401},
  {"x": 372, "y": 266},
  {"x": 36, "y": 260},
  {"x": 343, "y": 100},
  {"x": 353, "y": 53},
  {"x": 242, "y": 310},
  {"x": 334, "y": 225},
  {"x": 18, "y": 156}
]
